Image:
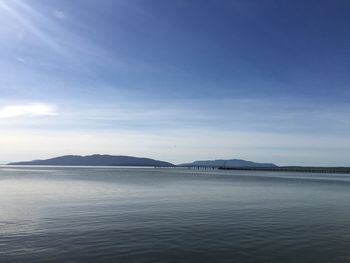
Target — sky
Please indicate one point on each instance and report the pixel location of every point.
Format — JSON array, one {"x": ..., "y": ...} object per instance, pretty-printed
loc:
[{"x": 179, "y": 80}]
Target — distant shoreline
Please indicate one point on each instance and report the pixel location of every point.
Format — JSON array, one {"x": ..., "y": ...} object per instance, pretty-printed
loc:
[
  {"x": 301, "y": 169},
  {"x": 297, "y": 169}
]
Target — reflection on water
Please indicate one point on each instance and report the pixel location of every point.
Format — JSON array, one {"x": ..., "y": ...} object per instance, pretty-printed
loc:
[{"x": 172, "y": 215}]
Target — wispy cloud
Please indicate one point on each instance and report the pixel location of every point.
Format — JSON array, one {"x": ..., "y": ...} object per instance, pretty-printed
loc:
[
  {"x": 59, "y": 14},
  {"x": 29, "y": 110}
]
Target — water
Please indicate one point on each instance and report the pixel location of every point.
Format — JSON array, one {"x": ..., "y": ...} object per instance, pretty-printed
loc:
[{"x": 172, "y": 215}]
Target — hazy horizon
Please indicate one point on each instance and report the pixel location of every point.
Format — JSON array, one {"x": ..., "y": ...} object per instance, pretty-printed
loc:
[{"x": 265, "y": 81}]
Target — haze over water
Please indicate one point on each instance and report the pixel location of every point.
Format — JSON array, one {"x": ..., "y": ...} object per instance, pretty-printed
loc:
[{"x": 61, "y": 214}]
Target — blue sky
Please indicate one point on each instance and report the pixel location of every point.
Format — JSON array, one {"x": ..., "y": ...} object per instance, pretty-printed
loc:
[{"x": 176, "y": 80}]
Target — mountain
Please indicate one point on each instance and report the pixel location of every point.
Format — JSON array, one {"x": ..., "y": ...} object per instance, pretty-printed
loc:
[
  {"x": 228, "y": 163},
  {"x": 97, "y": 160}
]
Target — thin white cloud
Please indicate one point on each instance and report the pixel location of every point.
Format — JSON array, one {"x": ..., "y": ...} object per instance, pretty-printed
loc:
[
  {"x": 59, "y": 14},
  {"x": 29, "y": 110}
]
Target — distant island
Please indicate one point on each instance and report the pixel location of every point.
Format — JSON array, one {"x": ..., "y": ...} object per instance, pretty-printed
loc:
[
  {"x": 228, "y": 163},
  {"x": 97, "y": 160},
  {"x": 122, "y": 160}
]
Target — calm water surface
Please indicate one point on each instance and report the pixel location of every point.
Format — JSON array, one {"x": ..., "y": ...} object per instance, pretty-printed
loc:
[{"x": 172, "y": 215}]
